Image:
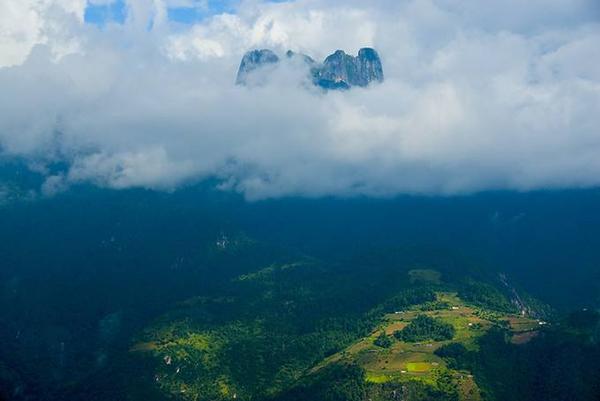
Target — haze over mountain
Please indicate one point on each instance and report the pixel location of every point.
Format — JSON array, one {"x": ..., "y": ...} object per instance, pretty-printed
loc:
[{"x": 476, "y": 97}]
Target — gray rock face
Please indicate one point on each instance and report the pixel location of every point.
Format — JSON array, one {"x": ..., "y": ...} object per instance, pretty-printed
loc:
[
  {"x": 307, "y": 59},
  {"x": 369, "y": 67},
  {"x": 254, "y": 60},
  {"x": 341, "y": 69},
  {"x": 338, "y": 71}
]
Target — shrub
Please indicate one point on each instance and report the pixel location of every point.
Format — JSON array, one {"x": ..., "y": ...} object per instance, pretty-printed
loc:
[{"x": 383, "y": 340}]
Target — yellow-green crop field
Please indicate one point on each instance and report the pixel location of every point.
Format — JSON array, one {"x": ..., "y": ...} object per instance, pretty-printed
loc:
[{"x": 417, "y": 361}]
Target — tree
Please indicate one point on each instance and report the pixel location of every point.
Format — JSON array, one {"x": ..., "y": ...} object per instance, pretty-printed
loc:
[
  {"x": 383, "y": 340},
  {"x": 424, "y": 328}
]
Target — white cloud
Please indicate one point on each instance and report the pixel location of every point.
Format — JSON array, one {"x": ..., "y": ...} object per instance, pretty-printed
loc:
[
  {"x": 25, "y": 23},
  {"x": 198, "y": 4},
  {"x": 101, "y": 2},
  {"x": 474, "y": 100},
  {"x": 280, "y": 26}
]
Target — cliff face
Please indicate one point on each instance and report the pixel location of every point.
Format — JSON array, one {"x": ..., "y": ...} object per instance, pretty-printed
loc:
[
  {"x": 369, "y": 67},
  {"x": 338, "y": 71},
  {"x": 346, "y": 70},
  {"x": 254, "y": 60}
]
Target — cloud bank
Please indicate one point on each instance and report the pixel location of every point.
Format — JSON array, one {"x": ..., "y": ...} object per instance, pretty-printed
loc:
[{"x": 501, "y": 95}]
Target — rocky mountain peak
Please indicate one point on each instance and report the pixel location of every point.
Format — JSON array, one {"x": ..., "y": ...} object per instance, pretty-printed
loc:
[
  {"x": 254, "y": 60},
  {"x": 338, "y": 71}
]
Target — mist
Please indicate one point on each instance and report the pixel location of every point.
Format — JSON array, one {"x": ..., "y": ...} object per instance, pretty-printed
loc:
[{"x": 476, "y": 97}]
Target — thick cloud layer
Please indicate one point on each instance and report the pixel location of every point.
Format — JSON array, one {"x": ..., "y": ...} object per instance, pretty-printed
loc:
[{"x": 501, "y": 95}]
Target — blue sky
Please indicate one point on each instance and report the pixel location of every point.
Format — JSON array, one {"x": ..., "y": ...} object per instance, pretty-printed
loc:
[
  {"x": 117, "y": 11},
  {"x": 101, "y": 14}
]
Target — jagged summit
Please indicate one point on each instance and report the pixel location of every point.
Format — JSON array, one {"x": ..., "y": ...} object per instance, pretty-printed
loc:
[
  {"x": 254, "y": 60},
  {"x": 337, "y": 71},
  {"x": 293, "y": 55}
]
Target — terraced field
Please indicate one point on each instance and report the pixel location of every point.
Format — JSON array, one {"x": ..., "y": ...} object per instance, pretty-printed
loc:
[
  {"x": 273, "y": 337},
  {"x": 405, "y": 361}
]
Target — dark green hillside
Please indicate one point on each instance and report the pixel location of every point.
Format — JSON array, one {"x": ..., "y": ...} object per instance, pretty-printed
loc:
[
  {"x": 269, "y": 327},
  {"x": 285, "y": 331},
  {"x": 553, "y": 366},
  {"x": 97, "y": 287}
]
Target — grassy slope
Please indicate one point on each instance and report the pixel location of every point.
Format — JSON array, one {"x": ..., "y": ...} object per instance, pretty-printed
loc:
[
  {"x": 243, "y": 352},
  {"x": 417, "y": 361}
]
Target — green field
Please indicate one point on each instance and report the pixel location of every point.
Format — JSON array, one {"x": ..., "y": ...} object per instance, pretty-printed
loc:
[
  {"x": 235, "y": 347},
  {"x": 417, "y": 361},
  {"x": 418, "y": 367}
]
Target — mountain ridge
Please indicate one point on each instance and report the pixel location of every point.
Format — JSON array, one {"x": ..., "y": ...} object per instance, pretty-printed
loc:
[{"x": 339, "y": 71}]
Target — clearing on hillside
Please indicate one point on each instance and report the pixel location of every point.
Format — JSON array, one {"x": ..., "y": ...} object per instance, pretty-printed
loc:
[{"x": 417, "y": 360}]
